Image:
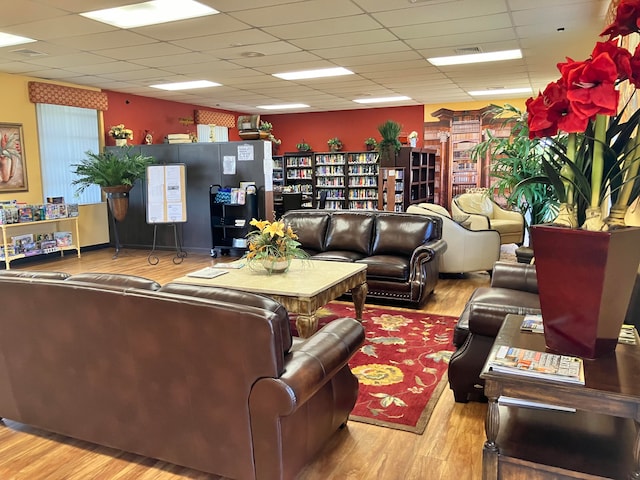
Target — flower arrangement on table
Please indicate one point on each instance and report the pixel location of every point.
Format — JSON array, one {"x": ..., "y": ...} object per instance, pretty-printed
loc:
[
  {"x": 593, "y": 151},
  {"x": 119, "y": 132},
  {"x": 273, "y": 244}
]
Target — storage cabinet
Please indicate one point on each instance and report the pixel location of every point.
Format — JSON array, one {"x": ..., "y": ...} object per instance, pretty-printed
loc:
[
  {"x": 362, "y": 178},
  {"x": 421, "y": 165},
  {"x": 330, "y": 178},
  {"x": 230, "y": 223}
]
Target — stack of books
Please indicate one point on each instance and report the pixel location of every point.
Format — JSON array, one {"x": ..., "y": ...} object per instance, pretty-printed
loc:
[{"x": 179, "y": 138}]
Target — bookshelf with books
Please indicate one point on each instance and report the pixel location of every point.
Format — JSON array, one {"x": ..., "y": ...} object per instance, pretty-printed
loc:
[
  {"x": 391, "y": 193},
  {"x": 362, "y": 178},
  {"x": 421, "y": 165},
  {"x": 330, "y": 176},
  {"x": 298, "y": 174}
]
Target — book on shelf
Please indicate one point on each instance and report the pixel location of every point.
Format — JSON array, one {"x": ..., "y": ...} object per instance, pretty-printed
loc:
[
  {"x": 533, "y": 323},
  {"x": 543, "y": 365}
]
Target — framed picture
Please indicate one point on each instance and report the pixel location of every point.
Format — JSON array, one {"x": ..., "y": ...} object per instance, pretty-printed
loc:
[{"x": 13, "y": 167}]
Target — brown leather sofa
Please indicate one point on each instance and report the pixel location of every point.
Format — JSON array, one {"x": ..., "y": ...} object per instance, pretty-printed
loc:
[
  {"x": 203, "y": 377},
  {"x": 401, "y": 251},
  {"x": 514, "y": 289}
]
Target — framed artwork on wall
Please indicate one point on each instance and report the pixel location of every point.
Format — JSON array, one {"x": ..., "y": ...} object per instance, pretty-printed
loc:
[{"x": 13, "y": 168}]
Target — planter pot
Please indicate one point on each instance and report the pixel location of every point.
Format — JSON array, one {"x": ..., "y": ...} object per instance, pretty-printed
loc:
[
  {"x": 276, "y": 265},
  {"x": 121, "y": 142},
  {"x": 118, "y": 200},
  {"x": 585, "y": 281},
  {"x": 387, "y": 156}
]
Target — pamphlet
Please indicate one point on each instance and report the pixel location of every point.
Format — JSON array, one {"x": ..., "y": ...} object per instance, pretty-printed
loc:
[
  {"x": 207, "y": 272},
  {"x": 549, "y": 366},
  {"x": 229, "y": 265},
  {"x": 533, "y": 323}
]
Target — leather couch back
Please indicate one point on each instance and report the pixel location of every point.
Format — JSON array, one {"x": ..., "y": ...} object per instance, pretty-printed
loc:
[
  {"x": 365, "y": 232},
  {"x": 163, "y": 373}
]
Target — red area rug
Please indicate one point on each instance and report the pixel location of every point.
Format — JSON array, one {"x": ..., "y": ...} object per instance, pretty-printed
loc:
[{"x": 401, "y": 366}]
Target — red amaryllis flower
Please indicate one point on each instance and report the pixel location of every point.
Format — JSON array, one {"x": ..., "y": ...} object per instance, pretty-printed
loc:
[
  {"x": 547, "y": 110},
  {"x": 620, "y": 56},
  {"x": 591, "y": 85},
  {"x": 626, "y": 20}
]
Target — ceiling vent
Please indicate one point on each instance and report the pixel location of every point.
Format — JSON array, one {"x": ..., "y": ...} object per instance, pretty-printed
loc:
[
  {"x": 25, "y": 52},
  {"x": 468, "y": 50}
]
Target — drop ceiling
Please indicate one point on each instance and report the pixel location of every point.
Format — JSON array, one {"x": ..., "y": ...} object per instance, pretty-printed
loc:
[{"x": 385, "y": 42}]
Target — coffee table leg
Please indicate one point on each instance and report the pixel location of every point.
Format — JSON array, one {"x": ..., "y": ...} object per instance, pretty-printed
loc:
[
  {"x": 359, "y": 295},
  {"x": 306, "y": 325}
]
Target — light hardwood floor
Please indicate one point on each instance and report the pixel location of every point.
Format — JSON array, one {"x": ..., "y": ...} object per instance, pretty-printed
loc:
[{"x": 449, "y": 449}]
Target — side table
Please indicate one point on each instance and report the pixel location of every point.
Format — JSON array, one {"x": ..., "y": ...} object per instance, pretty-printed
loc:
[{"x": 601, "y": 439}]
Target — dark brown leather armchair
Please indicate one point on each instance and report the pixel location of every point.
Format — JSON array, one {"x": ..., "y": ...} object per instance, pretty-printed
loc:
[{"x": 514, "y": 289}]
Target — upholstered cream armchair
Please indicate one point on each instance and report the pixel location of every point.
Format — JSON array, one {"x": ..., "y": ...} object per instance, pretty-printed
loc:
[
  {"x": 467, "y": 250},
  {"x": 483, "y": 213}
]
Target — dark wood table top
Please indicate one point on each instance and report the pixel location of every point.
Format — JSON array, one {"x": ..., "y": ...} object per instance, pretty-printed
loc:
[{"x": 613, "y": 380}]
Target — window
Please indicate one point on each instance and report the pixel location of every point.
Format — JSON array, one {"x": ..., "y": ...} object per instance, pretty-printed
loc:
[{"x": 65, "y": 134}]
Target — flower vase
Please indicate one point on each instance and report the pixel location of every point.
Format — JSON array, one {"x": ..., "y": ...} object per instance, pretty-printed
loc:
[
  {"x": 121, "y": 142},
  {"x": 585, "y": 280},
  {"x": 276, "y": 264}
]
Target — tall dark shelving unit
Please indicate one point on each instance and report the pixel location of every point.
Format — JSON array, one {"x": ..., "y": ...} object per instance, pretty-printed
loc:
[
  {"x": 330, "y": 177},
  {"x": 298, "y": 175},
  {"x": 362, "y": 180}
]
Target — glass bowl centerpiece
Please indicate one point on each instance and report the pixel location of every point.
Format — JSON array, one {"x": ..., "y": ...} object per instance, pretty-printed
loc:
[{"x": 272, "y": 245}]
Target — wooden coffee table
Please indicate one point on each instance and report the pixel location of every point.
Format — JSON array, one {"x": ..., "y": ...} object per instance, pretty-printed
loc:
[{"x": 303, "y": 289}]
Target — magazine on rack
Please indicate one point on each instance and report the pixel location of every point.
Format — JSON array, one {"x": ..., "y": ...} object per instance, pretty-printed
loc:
[{"x": 549, "y": 366}]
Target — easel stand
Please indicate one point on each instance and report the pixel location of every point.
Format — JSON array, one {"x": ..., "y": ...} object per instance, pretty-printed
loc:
[{"x": 180, "y": 254}]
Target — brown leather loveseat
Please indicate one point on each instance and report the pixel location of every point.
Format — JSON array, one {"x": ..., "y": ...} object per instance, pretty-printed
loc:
[
  {"x": 401, "y": 251},
  {"x": 203, "y": 377}
]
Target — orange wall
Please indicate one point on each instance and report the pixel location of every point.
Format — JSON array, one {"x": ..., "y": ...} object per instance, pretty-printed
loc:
[
  {"x": 352, "y": 127},
  {"x": 158, "y": 116}
]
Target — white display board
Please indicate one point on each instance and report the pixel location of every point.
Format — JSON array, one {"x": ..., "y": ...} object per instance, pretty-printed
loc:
[{"x": 166, "y": 194}]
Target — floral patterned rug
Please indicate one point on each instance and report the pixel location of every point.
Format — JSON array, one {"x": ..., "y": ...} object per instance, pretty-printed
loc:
[{"x": 401, "y": 366}]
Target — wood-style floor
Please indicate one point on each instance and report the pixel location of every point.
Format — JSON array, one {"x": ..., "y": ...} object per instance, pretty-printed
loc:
[{"x": 449, "y": 449}]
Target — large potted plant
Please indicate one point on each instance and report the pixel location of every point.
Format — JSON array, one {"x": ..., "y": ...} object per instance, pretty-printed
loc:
[
  {"x": 114, "y": 173},
  {"x": 390, "y": 145},
  {"x": 586, "y": 270}
]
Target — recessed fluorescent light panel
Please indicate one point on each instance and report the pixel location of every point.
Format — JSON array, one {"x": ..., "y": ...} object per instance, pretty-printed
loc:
[
  {"x": 398, "y": 98},
  {"x": 6, "y": 40},
  {"x": 323, "y": 72},
  {"x": 285, "y": 106},
  {"x": 499, "y": 91},
  {"x": 150, "y": 13},
  {"x": 186, "y": 85},
  {"x": 476, "y": 58}
]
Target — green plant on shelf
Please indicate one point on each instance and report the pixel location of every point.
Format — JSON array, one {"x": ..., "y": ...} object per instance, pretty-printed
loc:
[
  {"x": 303, "y": 146},
  {"x": 334, "y": 143}
]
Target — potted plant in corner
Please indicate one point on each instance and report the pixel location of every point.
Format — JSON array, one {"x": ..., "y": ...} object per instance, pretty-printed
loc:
[
  {"x": 121, "y": 134},
  {"x": 114, "y": 173},
  {"x": 586, "y": 270},
  {"x": 390, "y": 145}
]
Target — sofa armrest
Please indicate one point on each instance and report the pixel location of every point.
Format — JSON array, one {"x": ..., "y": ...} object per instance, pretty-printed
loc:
[
  {"x": 516, "y": 276},
  {"x": 476, "y": 221},
  {"x": 427, "y": 253},
  {"x": 312, "y": 362},
  {"x": 502, "y": 214}
]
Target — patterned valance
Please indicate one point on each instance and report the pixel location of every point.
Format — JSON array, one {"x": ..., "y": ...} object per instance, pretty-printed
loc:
[
  {"x": 207, "y": 117},
  {"x": 53, "y": 94}
]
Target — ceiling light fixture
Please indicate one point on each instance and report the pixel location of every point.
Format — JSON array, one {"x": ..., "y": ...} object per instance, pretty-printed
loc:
[
  {"x": 398, "y": 98},
  {"x": 321, "y": 73},
  {"x": 186, "y": 85},
  {"x": 284, "y": 106},
  {"x": 476, "y": 58},
  {"x": 7, "y": 40},
  {"x": 150, "y": 13},
  {"x": 499, "y": 91}
]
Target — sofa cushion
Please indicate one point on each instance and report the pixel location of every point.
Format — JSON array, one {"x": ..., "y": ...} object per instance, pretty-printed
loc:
[
  {"x": 476, "y": 203},
  {"x": 400, "y": 234},
  {"x": 339, "y": 256},
  {"x": 387, "y": 267},
  {"x": 115, "y": 280},
  {"x": 349, "y": 231},
  {"x": 310, "y": 226}
]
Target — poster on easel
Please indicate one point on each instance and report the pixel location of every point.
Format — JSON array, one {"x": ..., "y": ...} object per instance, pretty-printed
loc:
[{"x": 166, "y": 194}]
